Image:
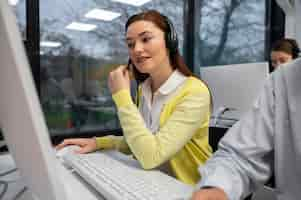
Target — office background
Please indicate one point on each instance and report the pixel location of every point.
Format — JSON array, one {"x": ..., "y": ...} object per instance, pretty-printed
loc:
[{"x": 70, "y": 66}]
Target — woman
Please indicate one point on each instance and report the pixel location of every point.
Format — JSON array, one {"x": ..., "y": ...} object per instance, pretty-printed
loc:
[
  {"x": 283, "y": 51},
  {"x": 169, "y": 129}
]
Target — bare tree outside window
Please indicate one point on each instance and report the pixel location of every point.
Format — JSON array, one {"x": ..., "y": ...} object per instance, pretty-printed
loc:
[{"x": 231, "y": 31}]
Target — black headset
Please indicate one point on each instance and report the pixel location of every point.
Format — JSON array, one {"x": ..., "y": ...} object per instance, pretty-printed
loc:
[
  {"x": 171, "y": 42},
  {"x": 171, "y": 37}
]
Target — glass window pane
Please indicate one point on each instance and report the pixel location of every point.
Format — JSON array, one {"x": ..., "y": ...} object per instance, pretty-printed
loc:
[
  {"x": 232, "y": 31},
  {"x": 75, "y": 64}
]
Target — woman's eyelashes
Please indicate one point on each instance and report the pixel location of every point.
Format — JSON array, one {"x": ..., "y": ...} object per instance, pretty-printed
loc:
[
  {"x": 131, "y": 45},
  {"x": 144, "y": 40}
]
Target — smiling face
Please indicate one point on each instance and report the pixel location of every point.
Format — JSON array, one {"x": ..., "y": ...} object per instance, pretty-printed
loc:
[
  {"x": 280, "y": 57},
  {"x": 147, "y": 48}
]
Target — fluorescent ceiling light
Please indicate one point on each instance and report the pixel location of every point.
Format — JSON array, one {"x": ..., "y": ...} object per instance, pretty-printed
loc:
[
  {"x": 101, "y": 14},
  {"x": 81, "y": 26},
  {"x": 50, "y": 44},
  {"x": 133, "y": 2},
  {"x": 13, "y": 2}
]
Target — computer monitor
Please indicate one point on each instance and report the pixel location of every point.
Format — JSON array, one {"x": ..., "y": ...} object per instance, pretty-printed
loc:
[
  {"x": 21, "y": 118},
  {"x": 234, "y": 89}
]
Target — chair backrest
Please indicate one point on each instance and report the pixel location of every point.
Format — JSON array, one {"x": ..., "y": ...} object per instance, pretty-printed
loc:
[{"x": 215, "y": 135}]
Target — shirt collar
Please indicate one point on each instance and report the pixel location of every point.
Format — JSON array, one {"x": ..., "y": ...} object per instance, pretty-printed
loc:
[{"x": 173, "y": 81}]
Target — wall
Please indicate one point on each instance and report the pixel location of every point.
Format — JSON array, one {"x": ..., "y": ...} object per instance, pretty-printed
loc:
[
  {"x": 298, "y": 24},
  {"x": 292, "y": 10}
]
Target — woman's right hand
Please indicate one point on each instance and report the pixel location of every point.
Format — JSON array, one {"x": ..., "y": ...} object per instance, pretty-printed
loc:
[
  {"x": 119, "y": 79},
  {"x": 86, "y": 145}
]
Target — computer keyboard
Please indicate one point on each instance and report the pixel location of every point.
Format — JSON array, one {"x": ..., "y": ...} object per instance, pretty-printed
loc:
[{"x": 117, "y": 181}]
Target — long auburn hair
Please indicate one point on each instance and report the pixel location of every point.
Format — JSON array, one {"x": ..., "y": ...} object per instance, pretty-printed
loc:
[{"x": 160, "y": 21}]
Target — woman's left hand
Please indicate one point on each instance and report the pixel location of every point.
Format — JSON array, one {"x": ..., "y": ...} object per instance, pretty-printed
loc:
[{"x": 119, "y": 79}]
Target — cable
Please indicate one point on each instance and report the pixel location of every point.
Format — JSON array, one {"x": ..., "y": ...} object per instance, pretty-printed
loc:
[
  {"x": 19, "y": 194},
  {"x": 8, "y": 172},
  {"x": 5, "y": 186}
]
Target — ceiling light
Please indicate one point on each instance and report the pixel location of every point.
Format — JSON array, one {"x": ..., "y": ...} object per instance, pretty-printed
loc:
[
  {"x": 101, "y": 14},
  {"x": 13, "y": 2},
  {"x": 81, "y": 26},
  {"x": 136, "y": 3},
  {"x": 50, "y": 44}
]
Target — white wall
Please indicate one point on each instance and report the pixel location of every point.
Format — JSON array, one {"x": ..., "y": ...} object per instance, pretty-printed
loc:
[
  {"x": 292, "y": 10},
  {"x": 298, "y": 24}
]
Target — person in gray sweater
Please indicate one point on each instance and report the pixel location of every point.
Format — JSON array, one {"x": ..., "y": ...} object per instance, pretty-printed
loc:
[{"x": 265, "y": 142}]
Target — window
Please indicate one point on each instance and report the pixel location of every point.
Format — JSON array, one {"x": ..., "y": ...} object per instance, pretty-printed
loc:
[
  {"x": 75, "y": 63},
  {"x": 231, "y": 31}
]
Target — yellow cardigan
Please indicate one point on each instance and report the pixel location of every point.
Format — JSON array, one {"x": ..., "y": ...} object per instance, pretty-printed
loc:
[{"x": 182, "y": 139}]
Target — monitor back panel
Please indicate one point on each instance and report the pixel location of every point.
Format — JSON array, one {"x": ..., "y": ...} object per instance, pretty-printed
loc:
[
  {"x": 235, "y": 86},
  {"x": 21, "y": 117}
]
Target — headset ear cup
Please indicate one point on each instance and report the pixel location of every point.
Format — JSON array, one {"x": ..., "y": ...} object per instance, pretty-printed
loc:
[{"x": 171, "y": 38}]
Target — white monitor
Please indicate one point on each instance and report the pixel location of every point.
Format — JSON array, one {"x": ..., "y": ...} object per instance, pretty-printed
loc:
[
  {"x": 233, "y": 87},
  {"x": 21, "y": 118}
]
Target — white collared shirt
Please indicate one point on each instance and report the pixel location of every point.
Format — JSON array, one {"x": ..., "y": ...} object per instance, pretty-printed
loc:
[{"x": 151, "y": 109}]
